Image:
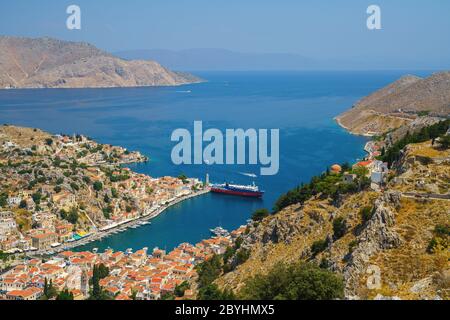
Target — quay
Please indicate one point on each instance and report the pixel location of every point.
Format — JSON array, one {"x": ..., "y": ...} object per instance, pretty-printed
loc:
[{"x": 118, "y": 228}]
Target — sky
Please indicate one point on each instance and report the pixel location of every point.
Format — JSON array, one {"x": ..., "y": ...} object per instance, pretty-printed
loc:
[{"x": 414, "y": 33}]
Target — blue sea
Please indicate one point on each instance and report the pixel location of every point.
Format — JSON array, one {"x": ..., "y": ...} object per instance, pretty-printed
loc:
[{"x": 300, "y": 104}]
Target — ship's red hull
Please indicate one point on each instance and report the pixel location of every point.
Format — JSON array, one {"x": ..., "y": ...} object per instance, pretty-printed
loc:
[{"x": 238, "y": 193}]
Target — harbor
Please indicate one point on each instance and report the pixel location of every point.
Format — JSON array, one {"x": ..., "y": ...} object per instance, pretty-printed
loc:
[{"x": 132, "y": 224}]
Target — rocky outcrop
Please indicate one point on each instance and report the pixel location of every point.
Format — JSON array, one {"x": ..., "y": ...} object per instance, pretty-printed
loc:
[
  {"x": 377, "y": 235},
  {"x": 51, "y": 63},
  {"x": 275, "y": 231}
]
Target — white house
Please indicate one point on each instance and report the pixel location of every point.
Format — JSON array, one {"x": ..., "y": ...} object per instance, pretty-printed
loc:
[
  {"x": 379, "y": 171},
  {"x": 13, "y": 201},
  {"x": 7, "y": 226}
]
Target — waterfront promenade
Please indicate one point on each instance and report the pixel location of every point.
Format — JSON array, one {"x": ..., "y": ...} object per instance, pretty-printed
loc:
[{"x": 98, "y": 235}]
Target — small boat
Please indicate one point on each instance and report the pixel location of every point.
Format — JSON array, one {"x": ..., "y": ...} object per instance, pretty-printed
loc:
[
  {"x": 251, "y": 175},
  {"x": 219, "y": 232}
]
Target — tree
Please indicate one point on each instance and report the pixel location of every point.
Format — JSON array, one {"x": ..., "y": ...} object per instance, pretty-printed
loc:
[
  {"x": 444, "y": 142},
  {"x": 23, "y": 204},
  {"x": 339, "y": 227},
  {"x": 36, "y": 197},
  {"x": 360, "y": 171},
  {"x": 72, "y": 217},
  {"x": 114, "y": 193},
  {"x": 3, "y": 200},
  {"x": 63, "y": 214},
  {"x": 242, "y": 255},
  {"x": 298, "y": 281},
  {"x": 346, "y": 167},
  {"x": 209, "y": 270},
  {"x": 183, "y": 178},
  {"x": 86, "y": 179},
  {"x": 260, "y": 214},
  {"x": 97, "y": 293},
  {"x": 74, "y": 186},
  {"x": 103, "y": 271},
  {"x": 107, "y": 212},
  {"x": 168, "y": 296},
  {"x": 49, "y": 290},
  {"x": 3, "y": 256},
  {"x": 366, "y": 213},
  {"x": 133, "y": 295},
  {"x": 98, "y": 186},
  {"x": 318, "y": 246},
  {"x": 212, "y": 292},
  {"x": 181, "y": 288},
  {"x": 65, "y": 295}
]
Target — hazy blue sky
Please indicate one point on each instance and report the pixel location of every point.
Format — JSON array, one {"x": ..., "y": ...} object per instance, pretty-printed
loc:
[{"x": 414, "y": 31}]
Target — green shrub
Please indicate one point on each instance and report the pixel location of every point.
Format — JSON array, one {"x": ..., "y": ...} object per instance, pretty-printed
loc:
[
  {"x": 339, "y": 227},
  {"x": 181, "y": 288},
  {"x": 366, "y": 213},
  {"x": 352, "y": 245},
  {"x": 318, "y": 246},
  {"x": 242, "y": 255},
  {"x": 440, "y": 240},
  {"x": 260, "y": 214},
  {"x": 298, "y": 281},
  {"x": 98, "y": 186},
  {"x": 212, "y": 292}
]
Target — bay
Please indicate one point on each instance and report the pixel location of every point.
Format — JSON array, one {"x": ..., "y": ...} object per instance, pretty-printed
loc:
[{"x": 300, "y": 104}]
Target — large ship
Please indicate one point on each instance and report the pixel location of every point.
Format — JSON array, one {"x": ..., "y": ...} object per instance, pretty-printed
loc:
[{"x": 238, "y": 190}]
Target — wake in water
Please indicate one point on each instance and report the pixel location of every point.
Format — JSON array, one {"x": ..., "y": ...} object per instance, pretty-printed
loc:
[
  {"x": 184, "y": 91},
  {"x": 252, "y": 175}
]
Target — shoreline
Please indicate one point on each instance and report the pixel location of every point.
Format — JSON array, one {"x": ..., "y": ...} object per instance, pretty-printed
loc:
[
  {"x": 174, "y": 85},
  {"x": 367, "y": 135},
  {"x": 99, "y": 235}
]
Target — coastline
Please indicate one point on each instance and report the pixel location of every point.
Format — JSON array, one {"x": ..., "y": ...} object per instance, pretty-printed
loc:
[
  {"x": 338, "y": 121},
  {"x": 175, "y": 85},
  {"x": 99, "y": 235}
]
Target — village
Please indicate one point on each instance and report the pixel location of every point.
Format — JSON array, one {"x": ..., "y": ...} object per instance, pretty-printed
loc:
[
  {"x": 370, "y": 167},
  {"x": 131, "y": 275},
  {"x": 59, "y": 191}
]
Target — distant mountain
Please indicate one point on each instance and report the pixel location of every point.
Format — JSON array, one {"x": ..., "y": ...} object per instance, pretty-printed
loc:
[
  {"x": 222, "y": 60},
  {"x": 51, "y": 63},
  {"x": 399, "y": 103}
]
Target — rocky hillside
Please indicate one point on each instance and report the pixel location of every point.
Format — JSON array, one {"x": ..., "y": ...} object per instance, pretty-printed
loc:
[
  {"x": 51, "y": 63},
  {"x": 400, "y": 234},
  {"x": 399, "y": 103}
]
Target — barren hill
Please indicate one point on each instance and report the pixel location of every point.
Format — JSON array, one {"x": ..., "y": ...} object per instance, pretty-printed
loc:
[
  {"x": 398, "y": 104},
  {"x": 395, "y": 237},
  {"x": 51, "y": 63}
]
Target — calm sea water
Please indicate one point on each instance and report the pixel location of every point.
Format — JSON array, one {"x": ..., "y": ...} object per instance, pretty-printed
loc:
[{"x": 301, "y": 105}]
